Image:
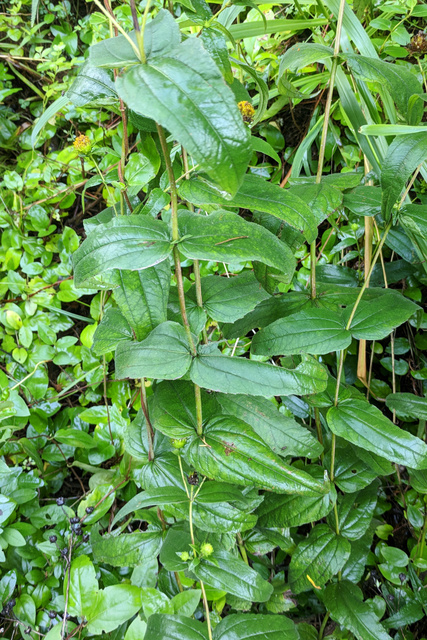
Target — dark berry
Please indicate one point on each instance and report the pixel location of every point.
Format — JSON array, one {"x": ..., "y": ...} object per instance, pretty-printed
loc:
[
  {"x": 52, "y": 614},
  {"x": 90, "y": 510},
  {"x": 64, "y": 551},
  {"x": 74, "y": 520},
  {"x": 67, "y": 616},
  {"x": 402, "y": 577},
  {"x": 78, "y": 531},
  {"x": 86, "y": 537},
  {"x": 60, "y": 502},
  {"x": 52, "y": 539},
  {"x": 11, "y": 603}
]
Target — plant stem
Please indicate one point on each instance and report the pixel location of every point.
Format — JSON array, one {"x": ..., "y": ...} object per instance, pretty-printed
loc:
[
  {"x": 323, "y": 627},
  {"x": 150, "y": 430}
]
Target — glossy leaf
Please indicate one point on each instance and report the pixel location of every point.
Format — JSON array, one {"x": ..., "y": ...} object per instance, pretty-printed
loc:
[
  {"x": 319, "y": 557},
  {"x": 226, "y": 237},
  {"x": 236, "y": 453},
  {"x": 125, "y": 550},
  {"x": 211, "y": 370},
  {"x": 315, "y": 331},
  {"x": 156, "y": 497},
  {"x": 215, "y": 43},
  {"x": 164, "y": 354},
  {"x": 375, "y": 319},
  {"x": 185, "y": 93},
  {"x": 227, "y": 299},
  {"x": 234, "y": 576},
  {"x": 168, "y": 627},
  {"x": 294, "y": 510},
  {"x": 113, "y": 328},
  {"x": 111, "y": 607},
  {"x": 126, "y": 242},
  {"x": 282, "y": 434},
  {"x": 256, "y": 194},
  {"x": 402, "y": 158},
  {"x": 344, "y": 600},
  {"x": 407, "y": 405},
  {"x": 142, "y": 297},
  {"x": 366, "y": 426},
  {"x": 91, "y": 85},
  {"x": 355, "y": 512},
  {"x": 249, "y": 626},
  {"x": 83, "y": 586},
  {"x": 302, "y": 55}
]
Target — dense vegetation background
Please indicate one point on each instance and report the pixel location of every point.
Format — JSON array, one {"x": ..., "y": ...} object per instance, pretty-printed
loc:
[{"x": 212, "y": 282}]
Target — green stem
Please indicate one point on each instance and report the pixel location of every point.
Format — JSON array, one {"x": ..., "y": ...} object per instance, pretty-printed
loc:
[
  {"x": 242, "y": 548},
  {"x": 323, "y": 627},
  {"x": 150, "y": 431}
]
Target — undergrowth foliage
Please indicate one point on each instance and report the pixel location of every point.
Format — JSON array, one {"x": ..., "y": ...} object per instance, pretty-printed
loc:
[{"x": 214, "y": 261}]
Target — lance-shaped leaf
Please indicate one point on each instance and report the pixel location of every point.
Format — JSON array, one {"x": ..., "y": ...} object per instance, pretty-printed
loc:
[
  {"x": 407, "y": 405},
  {"x": 236, "y": 453},
  {"x": 163, "y": 355},
  {"x": 414, "y": 221},
  {"x": 319, "y": 557},
  {"x": 365, "y": 426},
  {"x": 161, "y": 36},
  {"x": 184, "y": 92},
  {"x": 402, "y": 158},
  {"x": 126, "y": 242},
  {"x": 256, "y": 194},
  {"x": 234, "y": 576},
  {"x": 226, "y": 237},
  {"x": 113, "y": 328},
  {"x": 168, "y": 627},
  {"x": 143, "y": 296},
  {"x": 375, "y": 319},
  {"x": 303, "y": 54},
  {"x": 251, "y": 626},
  {"x": 162, "y": 496},
  {"x": 227, "y": 374},
  {"x": 284, "y": 436},
  {"x": 315, "y": 331},
  {"x": 344, "y": 600}
]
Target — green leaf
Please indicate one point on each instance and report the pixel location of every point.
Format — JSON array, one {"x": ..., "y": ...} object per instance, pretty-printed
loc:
[
  {"x": 142, "y": 297},
  {"x": 113, "y": 328},
  {"x": 391, "y": 129},
  {"x": 323, "y": 198},
  {"x": 407, "y": 405},
  {"x": 283, "y": 435},
  {"x": 375, "y": 319},
  {"x": 314, "y": 331},
  {"x": 413, "y": 219},
  {"x": 355, "y": 512},
  {"x": 320, "y": 556},
  {"x": 262, "y": 146},
  {"x": 161, "y": 36},
  {"x": 186, "y": 602},
  {"x": 294, "y": 510},
  {"x": 226, "y": 237},
  {"x": 234, "y": 576},
  {"x": 177, "y": 91},
  {"x": 155, "y": 497},
  {"x": 83, "y": 586},
  {"x": 365, "y": 201},
  {"x": 111, "y": 607},
  {"x": 256, "y": 194},
  {"x": 91, "y": 85},
  {"x": 164, "y": 354},
  {"x": 126, "y": 242},
  {"x": 249, "y": 626},
  {"x": 75, "y": 438},
  {"x": 127, "y": 549},
  {"x": 403, "y": 156},
  {"x": 258, "y": 28},
  {"x": 176, "y": 627},
  {"x": 262, "y": 87},
  {"x": 227, "y": 374},
  {"x": 215, "y": 43},
  {"x": 396, "y": 79},
  {"x": 173, "y": 411},
  {"x": 227, "y": 299},
  {"x": 302, "y": 55},
  {"x": 51, "y": 111},
  {"x": 365, "y": 425},
  {"x": 344, "y": 601},
  {"x": 236, "y": 454}
]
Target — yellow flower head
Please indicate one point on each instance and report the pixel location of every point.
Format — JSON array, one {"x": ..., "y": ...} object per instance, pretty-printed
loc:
[
  {"x": 82, "y": 145},
  {"x": 247, "y": 110}
]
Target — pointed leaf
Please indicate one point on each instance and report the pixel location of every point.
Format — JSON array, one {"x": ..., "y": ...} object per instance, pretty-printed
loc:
[
  {"x": 168, "y": 627},
  {"x": 227, "y": 299},
  {"x": 236, "y": 453},
  {"x": 164, "y": 354},
  {"x": 365, "y": 425},
  {"x": 211, "y": 370},
  {"x": 226, "y": 237},
  {"x": 185, "y": 93},
  {"x": 407, "y": 405},
  {"x": 303, "y": 54},
  {"x": 234, "y": 576},
  {"x": 294, "y": 510},
  {"x": 344, "y": 600},
  {"x": 155, "y": 497},
  {"x": 126, "y": 242},
  {"x": 83, "y": 586},
  {"x": 319, "y": 557},
  {"x": 250, "y": 626},
  {"x": 403, "y": 156},
  {"x": 91, "y": 85},
  {"x": 111, "y": 607},
  {"x": 256, "y": 194},
  {"x": 314, "y": 331},
  {"x": 375, "y": 319},
  {"x": 142, "y": 297},
  {"x": 113, "y": 328}
]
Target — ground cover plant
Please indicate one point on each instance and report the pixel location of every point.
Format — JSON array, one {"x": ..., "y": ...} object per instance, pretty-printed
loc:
[{"x": 213, "y": 277}]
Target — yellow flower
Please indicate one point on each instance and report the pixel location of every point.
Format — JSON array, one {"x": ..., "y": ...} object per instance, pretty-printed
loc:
[
  {"x": 247, "y": 110},
  {"x": 82, "y": 145}
]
